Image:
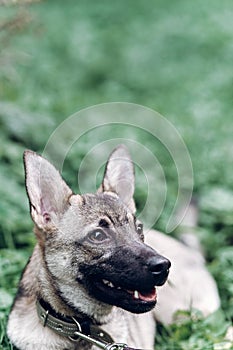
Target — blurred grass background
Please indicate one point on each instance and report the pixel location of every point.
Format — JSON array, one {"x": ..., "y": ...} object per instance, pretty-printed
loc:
[{"x": 175, "y": 57}]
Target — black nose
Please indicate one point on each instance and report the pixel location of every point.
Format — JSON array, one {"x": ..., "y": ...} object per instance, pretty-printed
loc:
[{"x": 159, "y": 266}]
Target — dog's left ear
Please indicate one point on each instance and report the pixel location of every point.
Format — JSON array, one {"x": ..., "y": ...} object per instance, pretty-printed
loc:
[{"x": 119, "y": 176}]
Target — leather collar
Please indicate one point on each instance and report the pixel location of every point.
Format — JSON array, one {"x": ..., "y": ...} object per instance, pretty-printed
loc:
[{"x": 67, "y": 326}]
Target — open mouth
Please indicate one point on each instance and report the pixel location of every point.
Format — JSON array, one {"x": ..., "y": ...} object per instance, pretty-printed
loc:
[
  {"x": 133, "y": 300},
  {"x": 135, "y": 294}
]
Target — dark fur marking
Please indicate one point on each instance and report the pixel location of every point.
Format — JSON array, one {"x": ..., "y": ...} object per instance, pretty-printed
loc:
[{"x": 103, "y": 223}]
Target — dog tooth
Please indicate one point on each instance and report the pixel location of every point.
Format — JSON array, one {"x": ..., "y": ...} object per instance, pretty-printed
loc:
[
  {"x": 106, "y": 282},
  {"x": 111, "y": 285},
  {"x": 136, "y": 294}
]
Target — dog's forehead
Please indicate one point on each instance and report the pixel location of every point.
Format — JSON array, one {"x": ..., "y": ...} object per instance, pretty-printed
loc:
[
  {"x": 87, "y": 211},
  {"x": 104, "y": 204}
]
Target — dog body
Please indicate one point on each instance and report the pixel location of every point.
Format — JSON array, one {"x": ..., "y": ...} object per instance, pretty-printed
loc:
[{"x": 93, "y": 262}]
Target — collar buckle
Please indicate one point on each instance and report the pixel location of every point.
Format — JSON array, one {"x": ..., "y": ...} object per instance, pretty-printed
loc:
[
  {"x": 106, "y": 343},
  {"x": 74, "y": 332}
]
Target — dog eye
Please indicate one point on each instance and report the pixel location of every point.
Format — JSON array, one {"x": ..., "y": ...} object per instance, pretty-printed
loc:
[
  {"x": 97, "y": 236},
  {"x": 139, "y": 228}
]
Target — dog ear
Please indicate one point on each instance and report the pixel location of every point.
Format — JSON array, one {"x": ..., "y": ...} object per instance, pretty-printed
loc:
[
  {"x": 47, "y": 192},
  {"x": 119, "y": 176}
]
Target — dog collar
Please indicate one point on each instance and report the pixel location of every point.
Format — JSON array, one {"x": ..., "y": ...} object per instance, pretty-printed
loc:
[
  {"x": 67, "y": 326},
  {"x": 74, "y": 329}
]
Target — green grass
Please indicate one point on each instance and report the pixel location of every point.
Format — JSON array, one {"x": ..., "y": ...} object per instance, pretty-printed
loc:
[{"x": 172, "y": 56}]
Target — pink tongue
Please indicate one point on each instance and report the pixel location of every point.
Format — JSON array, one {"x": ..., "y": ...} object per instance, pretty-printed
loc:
[{"x": 151, "y": 296}]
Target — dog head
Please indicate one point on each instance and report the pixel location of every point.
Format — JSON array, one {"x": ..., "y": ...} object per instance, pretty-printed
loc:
[{"x": 93, "y": 245}]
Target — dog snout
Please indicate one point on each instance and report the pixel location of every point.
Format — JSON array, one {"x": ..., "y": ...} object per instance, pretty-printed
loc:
[{"x": 159, "y": 266}]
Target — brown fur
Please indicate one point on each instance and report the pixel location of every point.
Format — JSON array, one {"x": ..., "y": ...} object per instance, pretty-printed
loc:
[{"x": 84, "y": 239}]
